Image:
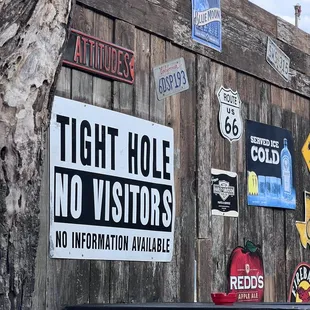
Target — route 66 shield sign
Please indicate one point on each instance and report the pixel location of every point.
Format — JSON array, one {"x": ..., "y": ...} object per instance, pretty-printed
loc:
[{"x": 230, "y": 120}]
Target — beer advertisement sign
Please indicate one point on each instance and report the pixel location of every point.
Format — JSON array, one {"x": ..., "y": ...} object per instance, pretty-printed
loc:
[
  {"x": 300, "y": 285},
  {"x": 270, "y": 163},
  {"x": 207, "y": 23},
  {"x": 245, "y": 272}
]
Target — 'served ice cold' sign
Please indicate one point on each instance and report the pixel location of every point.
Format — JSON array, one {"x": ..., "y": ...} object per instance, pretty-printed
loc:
[
  {"x": 230, "y": 118},
  {"x": 170, "y": 78},
  {"x": 278, "y": 59},
  {"x": 111, "y": 185}
]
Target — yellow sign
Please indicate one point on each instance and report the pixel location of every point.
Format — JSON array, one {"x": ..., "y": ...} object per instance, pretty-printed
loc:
[
  {"x": 306, "y": 151},
  {"x": 252, "y": 183},
  {"x": 304, "y": 227}
]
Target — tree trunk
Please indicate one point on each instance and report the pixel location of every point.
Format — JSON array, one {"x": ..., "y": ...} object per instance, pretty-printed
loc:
[{"x": 32, "y": 37}]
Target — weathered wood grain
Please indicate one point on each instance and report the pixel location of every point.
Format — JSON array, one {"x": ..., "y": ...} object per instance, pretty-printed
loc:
[
  {"x": 141, "y": 272},
  {"x": 63, "y": 88},
  {"x": 158, "y": 57},
  {"x": 218, "y": 266},
  {"x": 68, "y": 280},
  {"x": 204, "y": 269},
  {"x": 251, "y": 14},
  {"x": 99, "y": 280},
  {"x": 268, "y": 251},
  {"x": 102, "y": 89},
  {"x": 231, "y": 161},
  {"x": 123, "y": 94},
  {"x": 123, "y": 101},
  {"x": 188, "y": 181},
  {"x": 204, "y": 141},
  {"x": 238, "y": 37},
  {"x": 293, "y": 36},
  {"x": 278, "y": 240},
  {"x": 171, "y": 273},
  {"x": 39, "y": 295},
  {"x": 293, "y": 247},
  {"x": 242, "y": 87}
]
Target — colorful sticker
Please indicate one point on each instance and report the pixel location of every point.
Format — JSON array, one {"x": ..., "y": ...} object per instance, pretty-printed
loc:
[
  {"x": 246, "y": 273},
  {"x": 207, "y": 23}
]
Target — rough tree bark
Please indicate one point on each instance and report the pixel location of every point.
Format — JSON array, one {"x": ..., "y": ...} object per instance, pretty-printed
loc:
[{"x": 32, "y": 38}]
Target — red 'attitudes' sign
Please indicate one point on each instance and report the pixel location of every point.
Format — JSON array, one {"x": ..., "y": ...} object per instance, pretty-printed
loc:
[
  {"x": 246, "y": 273},
  {"x": 98, "y": 57}
]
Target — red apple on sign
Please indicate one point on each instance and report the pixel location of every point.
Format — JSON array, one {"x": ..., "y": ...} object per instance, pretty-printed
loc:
[{"x": 246, "y": 273}]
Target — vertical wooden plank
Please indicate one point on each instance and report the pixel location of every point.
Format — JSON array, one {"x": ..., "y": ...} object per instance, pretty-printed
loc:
[
  {"x": 188, "y": 178},
  {"x": 99, "y": 281},
  {"x": 278, "y": 217},
  {"x": 268, "y": 233},
  {"x": 123, "y": 101},
  {"x": 231, "y": 161},
  {"x": 68, "y": 280},
  {"x": 142, "y": 80},
  {"x": 241, "y": 168},
  {"x": 157, "y": 115},
  {"x": 82, "y": 83},
  {"x": 254, "y": 227},
  {"x": 218, "y": 162},
  {"x": 293, "y": 246},
  {"x": 64, "y": 83},
  {"x": 40, "y": 290},
  {"x": 171, "y": 273},
  {"x": 123, "y": 94},
  {"x": 141, "y": 272},
  {"x": 157, "y": 107},
  {"x": 204, "y": 138},
  {"x": 102, "y": 88}
]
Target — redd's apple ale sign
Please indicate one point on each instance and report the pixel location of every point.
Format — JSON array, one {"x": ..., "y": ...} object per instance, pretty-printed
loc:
[
  {"x": 98, "y": 57},
  {"x": 246, "y": 273},
  {"x": 300, "y": 286}
]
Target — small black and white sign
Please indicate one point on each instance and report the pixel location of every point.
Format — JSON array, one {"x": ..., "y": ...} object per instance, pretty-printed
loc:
[
  {"x": 170, "y": 78},
  {"x": 111, "y": 185},
  {"x": 230, "y": 119},
  {"x": 278, "y": 59},
  {"x": 224, "y": 193}
]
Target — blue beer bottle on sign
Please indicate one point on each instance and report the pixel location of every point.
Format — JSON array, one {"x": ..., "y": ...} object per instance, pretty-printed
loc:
[{"x": 286, "y": 171}]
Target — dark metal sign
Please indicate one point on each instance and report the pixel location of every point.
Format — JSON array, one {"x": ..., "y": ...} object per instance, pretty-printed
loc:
[
  {"x": 99, "y": 57},
  {"x": 300, "y": 285},
  {"x": 224, "y": 193}
]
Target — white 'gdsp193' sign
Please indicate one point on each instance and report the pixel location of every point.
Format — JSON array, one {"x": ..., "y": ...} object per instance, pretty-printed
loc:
[{"x": 230, "y": 119}]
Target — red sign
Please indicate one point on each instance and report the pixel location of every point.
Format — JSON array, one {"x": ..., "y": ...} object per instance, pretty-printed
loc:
[
  {"x": 300, "y": 286},
  {"x": 98, "y": 57},
  {"x": 246, "y": 273}
]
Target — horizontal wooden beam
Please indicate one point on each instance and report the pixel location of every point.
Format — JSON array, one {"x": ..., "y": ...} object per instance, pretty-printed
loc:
[{"x": 244, "y": 42}]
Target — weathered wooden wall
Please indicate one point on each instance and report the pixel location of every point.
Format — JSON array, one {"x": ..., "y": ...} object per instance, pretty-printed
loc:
[{"x": 159, "y": 31}]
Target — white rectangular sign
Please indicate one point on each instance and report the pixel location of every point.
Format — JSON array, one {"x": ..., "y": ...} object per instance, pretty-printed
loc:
[
  {"x": 170, "y": 78},
  {"x": 278, "y": 59},
  {"x": 111, "y": 185}
]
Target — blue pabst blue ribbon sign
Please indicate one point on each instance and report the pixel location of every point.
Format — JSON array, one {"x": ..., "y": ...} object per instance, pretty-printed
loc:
[{"x": 207, "y": 23}]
